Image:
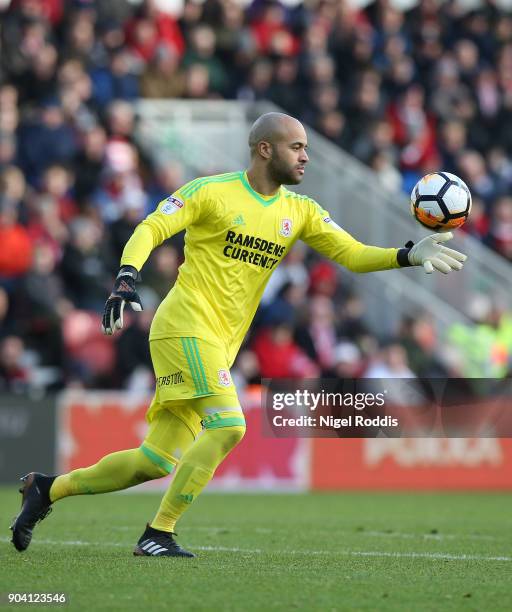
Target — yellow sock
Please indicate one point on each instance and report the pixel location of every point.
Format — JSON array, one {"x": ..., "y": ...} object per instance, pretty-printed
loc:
[
  {"x": 112, "y": 473},
  {"x": 195, "y": 471}
]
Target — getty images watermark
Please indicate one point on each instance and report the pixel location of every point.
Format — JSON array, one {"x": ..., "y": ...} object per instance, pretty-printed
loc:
[
  {"x": 356, "y": 408},
  {"x": 313, "y": 402}
]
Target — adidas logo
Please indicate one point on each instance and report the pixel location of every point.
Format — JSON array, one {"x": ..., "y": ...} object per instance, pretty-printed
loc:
[
  {"x": 239, "y": 220},
  {"x": 187, "y": 498},
  {"x": 152, "y": 548}
]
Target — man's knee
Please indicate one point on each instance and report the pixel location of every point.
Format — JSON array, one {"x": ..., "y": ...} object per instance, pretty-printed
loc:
[
  {"x": 230, "y": 426},
  {"x": 231, "y": 436},
  {"x": 155, "y": 464}
]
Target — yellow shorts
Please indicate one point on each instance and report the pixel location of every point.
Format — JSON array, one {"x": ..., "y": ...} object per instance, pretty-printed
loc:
[
  {"x": 187, "y": 368},
  {"x": 166, "y": 441},
  {"x": 187, "y": 371}
]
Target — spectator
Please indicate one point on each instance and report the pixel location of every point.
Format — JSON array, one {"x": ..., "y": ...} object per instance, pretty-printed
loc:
[
  {"x": 80, "y": 36},
  {"x": 453, "y": 140},
  {"x": 16, "y": 251},
  {"x": 282, "y": 90},
  {"x": 418, "y": 337},
  {"x": 86, "y": 265},
  {"x": 57, "y": 183},
  {"x": 116, "y": 81},
  {"x": 197, "y": 83},
  {"x": 388, "y": 175},
  {"x": 333, "y": 125},
  {"x": 500, "y": 230},
  {"x": 279, "y": 356},
  {"x": 134, "y": 367},
  {"x": 414, "y": 133},
  {"x": 232, "y": 37},
  {"x": 39, "y": 82},
  {"x": 88, "y": 164},
  {"x": 323, "y": 279},
  {"x": 45, "y": 223},
  {"x": 258, "y": 83},
  {"x": 149, "y": 30},
  {"x": 120, "y": 120},
  {"x": 348, "y": 361},
  {"x": 284, "y": 307},
  {"x": 472, "y": 168},
  {"x": 14, "y": 374},
  {"x": 292, "y": 270},
  {"x": 41, "y": 307},
  {"x": 163, "y": 270},
  {"x": 390, "y": 362},
  {"x": 478, "y": 221},
  {"x": 163, "y": 77},
  {"x": 317, "y": 337},
  {"x": 202, "y": 53},
  {"x": 121, "y": 187},
  {"x": 271, "y": 32},
  {"x": 45, "y": 141},
  {"x": 13, "y": 189}
]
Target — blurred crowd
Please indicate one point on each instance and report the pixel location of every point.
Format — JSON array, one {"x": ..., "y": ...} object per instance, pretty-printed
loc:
[{"x": 405, "y": 92}]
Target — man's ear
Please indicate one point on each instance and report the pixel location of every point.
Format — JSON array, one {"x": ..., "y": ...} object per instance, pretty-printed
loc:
[{"x": 265, "y": 149}]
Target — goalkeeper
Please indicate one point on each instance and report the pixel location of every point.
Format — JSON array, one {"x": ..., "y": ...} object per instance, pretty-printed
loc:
[{"x": 239, "y": 227}]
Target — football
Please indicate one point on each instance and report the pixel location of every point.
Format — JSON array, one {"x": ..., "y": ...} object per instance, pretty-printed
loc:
[{"x": 441, "y": 201}]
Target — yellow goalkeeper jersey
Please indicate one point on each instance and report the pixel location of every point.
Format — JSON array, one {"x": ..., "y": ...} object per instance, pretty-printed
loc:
[{"x": 235, "y": 238}]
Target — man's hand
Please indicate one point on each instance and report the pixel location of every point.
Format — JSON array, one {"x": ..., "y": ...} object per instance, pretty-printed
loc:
[
  {"x": 123, "y": 291},
  {"x": 430, "y": 254}
]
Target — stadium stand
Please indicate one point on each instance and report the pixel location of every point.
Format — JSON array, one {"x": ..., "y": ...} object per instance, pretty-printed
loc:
[{"x": 405, "y": 92}]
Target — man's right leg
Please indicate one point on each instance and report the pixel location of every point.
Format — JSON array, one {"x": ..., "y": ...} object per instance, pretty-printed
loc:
[
  {"x": 113, "y": 472},
  {"x": 130, "y": 467}
]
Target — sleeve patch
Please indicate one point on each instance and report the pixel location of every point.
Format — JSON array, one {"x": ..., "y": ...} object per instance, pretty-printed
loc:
[
  {"x": 171, "y": 205},
  {"x": 332, "y": 223}
]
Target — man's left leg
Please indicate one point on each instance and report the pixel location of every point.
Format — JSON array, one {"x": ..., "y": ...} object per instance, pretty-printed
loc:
[{"x": 224, "y": 427}]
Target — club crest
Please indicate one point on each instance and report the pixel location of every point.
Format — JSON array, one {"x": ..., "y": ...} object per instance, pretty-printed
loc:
[
  {"x": 224, "y": 378},
  {"x": 286, "y": 228}
]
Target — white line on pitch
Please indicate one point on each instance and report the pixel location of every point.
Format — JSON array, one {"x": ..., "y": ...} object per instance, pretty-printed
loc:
[
  {"x": 346, "y": 553},
  {"x": 372, "y": 533},
  {"x": 427, "y": 536}
]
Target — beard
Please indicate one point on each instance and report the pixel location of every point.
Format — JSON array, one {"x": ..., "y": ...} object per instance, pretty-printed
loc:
[{"x": 281, "y": 172}]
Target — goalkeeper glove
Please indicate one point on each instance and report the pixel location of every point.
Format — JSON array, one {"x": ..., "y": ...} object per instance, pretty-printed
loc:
[
  {"x": 123, "y": 291},
  {"x": 430, "y": 254}
]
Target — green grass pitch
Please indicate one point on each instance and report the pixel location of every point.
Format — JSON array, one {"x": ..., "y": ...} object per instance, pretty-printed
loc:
[{"x": 350, "y": 551}]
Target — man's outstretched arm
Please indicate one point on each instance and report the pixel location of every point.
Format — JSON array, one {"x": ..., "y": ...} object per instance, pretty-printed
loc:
[{"x": 325, "y": 236}]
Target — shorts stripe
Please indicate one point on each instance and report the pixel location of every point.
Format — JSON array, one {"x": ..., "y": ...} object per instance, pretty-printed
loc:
[
  {"x": 202, "y": 389},
  {"x": 203, "y": 375},
  {"x": 191, "y": 365}
]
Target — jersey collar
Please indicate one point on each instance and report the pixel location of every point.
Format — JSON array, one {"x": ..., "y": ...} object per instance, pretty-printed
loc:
[{"x": 261, "y": 199}]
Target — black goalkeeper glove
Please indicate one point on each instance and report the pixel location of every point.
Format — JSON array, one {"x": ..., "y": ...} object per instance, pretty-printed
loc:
[{"x": 123, "y": 291}]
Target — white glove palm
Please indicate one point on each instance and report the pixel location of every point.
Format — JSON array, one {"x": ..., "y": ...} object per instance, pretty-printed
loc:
[{"x": 430, "y": 254}]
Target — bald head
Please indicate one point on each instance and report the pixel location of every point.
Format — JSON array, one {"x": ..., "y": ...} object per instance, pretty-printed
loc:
[
  {"x": 273, "y": 128},
  {"x": 278, "y": 146}
]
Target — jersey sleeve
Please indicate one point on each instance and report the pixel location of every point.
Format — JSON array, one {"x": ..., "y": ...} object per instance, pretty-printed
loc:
[
  {"x": 325, "y": 236},
  {"x": 184, "y": 207}
]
